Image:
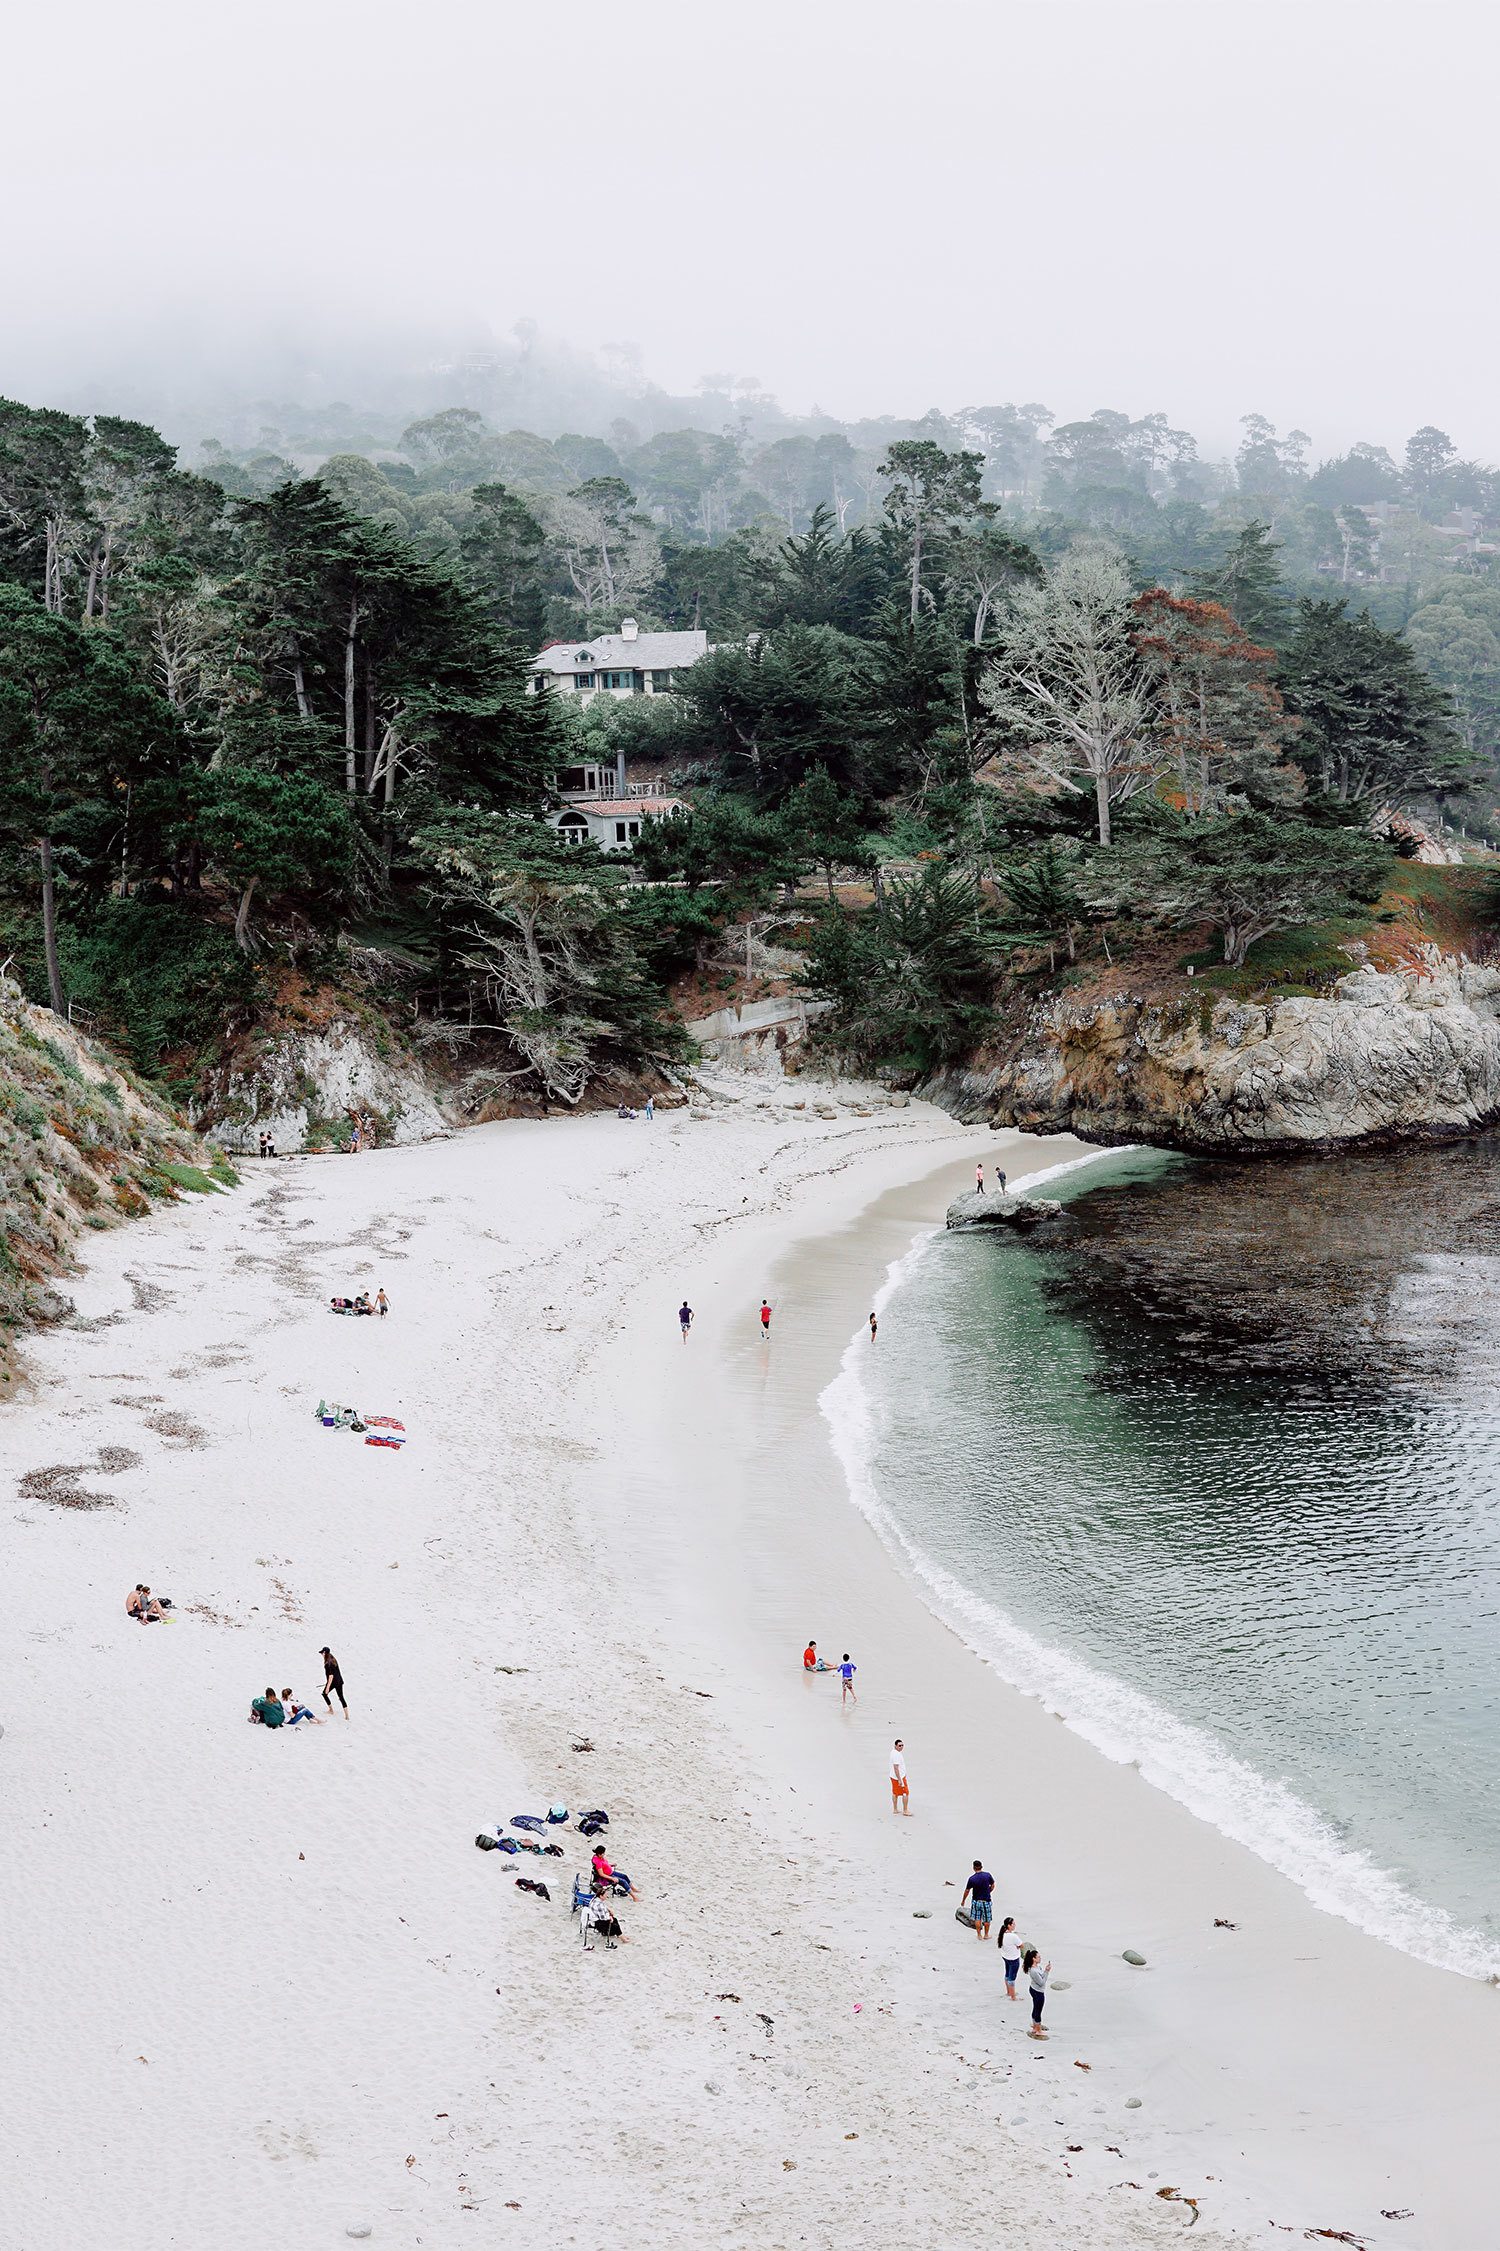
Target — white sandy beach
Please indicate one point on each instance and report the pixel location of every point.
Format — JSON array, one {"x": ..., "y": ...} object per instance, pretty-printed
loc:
[{"x": 264, "y": 1991}]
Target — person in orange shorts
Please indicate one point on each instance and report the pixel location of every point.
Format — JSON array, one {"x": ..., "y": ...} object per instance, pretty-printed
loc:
[{"x": 900, "y": 1792}]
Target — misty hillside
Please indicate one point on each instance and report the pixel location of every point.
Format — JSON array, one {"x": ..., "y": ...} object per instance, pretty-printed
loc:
[{"x": 280, "y": 749}]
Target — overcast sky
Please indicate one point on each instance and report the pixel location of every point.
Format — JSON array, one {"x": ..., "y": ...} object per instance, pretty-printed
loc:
[{"x": 1206, "y": 208}]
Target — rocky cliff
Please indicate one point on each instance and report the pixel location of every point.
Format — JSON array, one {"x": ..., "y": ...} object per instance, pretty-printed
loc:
[
  {"x": 82, "y": 1145},
  {"x": 1386, "y": 1055},
  {"x": 302, "y": 1082}
]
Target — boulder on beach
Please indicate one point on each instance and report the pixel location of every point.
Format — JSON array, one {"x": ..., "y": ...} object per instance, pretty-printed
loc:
[{"x": 978, "y": 1210}]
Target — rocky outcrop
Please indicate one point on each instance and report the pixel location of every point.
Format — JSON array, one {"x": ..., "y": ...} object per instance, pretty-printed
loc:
[
  {"x": 978, "y": 1210},
  {"x": 303, "y": 1083},
  {"x": 82, "y": 1145},
  {"x": 1387, "y": 1056}
]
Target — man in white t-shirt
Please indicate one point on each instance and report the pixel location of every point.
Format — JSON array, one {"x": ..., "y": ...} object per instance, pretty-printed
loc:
[{"x": 900, "y": 1794}]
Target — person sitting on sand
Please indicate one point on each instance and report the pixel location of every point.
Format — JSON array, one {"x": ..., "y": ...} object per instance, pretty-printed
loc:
[
  {"x": 141, "y": 1603},
  {"x": 611, "y": 1879},
  {"x": 268, "y": 1709},
  {"x": 295, "y": 1711},
  {"x": 810, "y": 1658}
]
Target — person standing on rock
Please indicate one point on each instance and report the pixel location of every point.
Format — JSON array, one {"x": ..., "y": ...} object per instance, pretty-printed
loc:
[
  {"x": 999, "y": 1175},
  {"x": 979, "y": 1180}
]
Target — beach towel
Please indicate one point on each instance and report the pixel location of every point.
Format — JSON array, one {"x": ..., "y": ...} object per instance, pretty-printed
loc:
[
  {"x": 396, "y": 1443},
  {"x": 384, "y": 1422},
  {"x": 527, "y": 1821}
]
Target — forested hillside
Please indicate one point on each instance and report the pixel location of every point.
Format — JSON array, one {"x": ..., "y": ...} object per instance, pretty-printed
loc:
[{"x": 1052, "y": 693}]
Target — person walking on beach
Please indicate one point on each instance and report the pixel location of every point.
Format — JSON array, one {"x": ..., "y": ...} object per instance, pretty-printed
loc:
[
  {"x": 684, "y": 1318},
  {"x": 382, "y": 1304},
  {"x": 874, "y": 1327},
  {"x": 1007, "y": 1938},
  {"x": 978, "y": 1892},
  {"x": 765, "y": 1318},
  {"x": 847, "y": 1671},
  {"x": 333, "y": 1681},
  {"x": 1036, "y": 1980},
  {"x": 900, "y": 1791},
  {"x": 979, "y": 1180}
]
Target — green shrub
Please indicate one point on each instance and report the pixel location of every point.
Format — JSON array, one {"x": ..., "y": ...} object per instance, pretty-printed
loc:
[{"x": 158, "y": 978}]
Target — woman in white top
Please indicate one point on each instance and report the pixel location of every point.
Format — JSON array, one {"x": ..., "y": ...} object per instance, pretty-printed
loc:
[{"x": 1008, "y": 1939}]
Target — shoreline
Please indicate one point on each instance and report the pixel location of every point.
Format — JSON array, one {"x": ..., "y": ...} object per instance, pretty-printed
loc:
[
  {"x": 1128, "y": 1727},
  {"x": 1377, "y": 2107},
  {"x": 283, "y": 1995}
]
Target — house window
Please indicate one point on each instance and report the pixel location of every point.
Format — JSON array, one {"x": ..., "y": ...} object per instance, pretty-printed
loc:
[
  {"x": 634, "y": 827},
  {"x": 661, "y": 683},
  {"x": 622, "y": 830},
  {"x": 616, "y": 679},
  {"x": 585, "y": 679},
  {"x": 539, "y": 681},
  {"x": 573, "y": 829}
]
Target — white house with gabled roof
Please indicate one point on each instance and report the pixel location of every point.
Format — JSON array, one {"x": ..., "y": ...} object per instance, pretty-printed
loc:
[{"x": 627, "y": 663}]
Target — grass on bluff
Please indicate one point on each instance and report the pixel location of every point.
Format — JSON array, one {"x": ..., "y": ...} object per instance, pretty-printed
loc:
[
  {"x": 1457, "y": 909},
  {"x": 163, "y": 1176}
]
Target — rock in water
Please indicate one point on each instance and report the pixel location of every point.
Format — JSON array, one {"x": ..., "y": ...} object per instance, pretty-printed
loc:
[{"x": 977, "y": 1210}]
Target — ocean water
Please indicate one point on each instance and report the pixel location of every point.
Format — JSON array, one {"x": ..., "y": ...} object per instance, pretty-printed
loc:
[{"x": 1211, "y": 1468}]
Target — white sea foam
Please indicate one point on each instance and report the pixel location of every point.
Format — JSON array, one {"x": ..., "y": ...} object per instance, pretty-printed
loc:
[{"x": 1186, "y": 1761}]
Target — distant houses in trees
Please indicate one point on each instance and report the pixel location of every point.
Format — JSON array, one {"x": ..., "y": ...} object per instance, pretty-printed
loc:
[
  {"x": 599, "y": 804},
  {"x": 627, "y": 663}
]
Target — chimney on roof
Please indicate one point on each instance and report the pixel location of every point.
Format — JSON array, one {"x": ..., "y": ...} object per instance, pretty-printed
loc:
[{"x": 628, "y": 629}]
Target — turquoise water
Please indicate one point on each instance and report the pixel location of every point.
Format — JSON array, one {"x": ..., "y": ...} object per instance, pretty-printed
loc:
[{"x": 1212, "y": 1468}]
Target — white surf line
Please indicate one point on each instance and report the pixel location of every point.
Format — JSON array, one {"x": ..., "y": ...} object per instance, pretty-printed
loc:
[{"x": 1175, "y": 1756}]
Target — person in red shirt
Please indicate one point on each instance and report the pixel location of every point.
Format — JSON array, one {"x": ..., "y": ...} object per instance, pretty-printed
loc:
[
  {"x": 765, "y": 1317},
  {"x": 810, "y": 1658}
]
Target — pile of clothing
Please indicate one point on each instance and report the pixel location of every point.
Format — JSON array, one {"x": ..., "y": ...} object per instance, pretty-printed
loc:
[{"x": 377, "y": 1430}]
